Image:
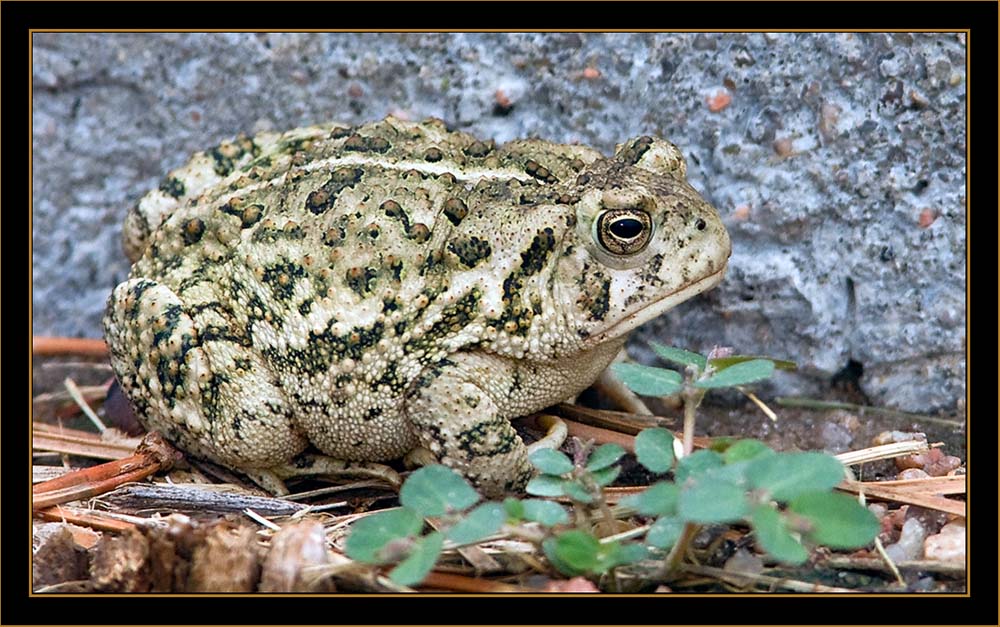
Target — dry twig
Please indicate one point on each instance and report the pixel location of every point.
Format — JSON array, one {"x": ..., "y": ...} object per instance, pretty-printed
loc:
[
  {"x": 200, "y": 500},
  {"x": 460, "y": 583},
  {"x": 875, "y": 490},
  {"x": 45, "y": 437},
  {"x": 882, "y": 451},
  {"x": 47, "y": 346},
  {"x": 745, "y": 579},
  {"x": 102, "y": 521},
  {"x": 153, "y": 454},
  {"x": 870, "y": 563},
  {"x": 625, "y": 422}
]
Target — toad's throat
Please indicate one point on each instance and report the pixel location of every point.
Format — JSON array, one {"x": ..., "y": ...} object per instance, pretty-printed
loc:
[{"x": 658, "y": 307}]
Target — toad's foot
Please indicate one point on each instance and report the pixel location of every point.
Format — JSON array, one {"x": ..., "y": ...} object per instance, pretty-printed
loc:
[{"x": 555, "y": 434}]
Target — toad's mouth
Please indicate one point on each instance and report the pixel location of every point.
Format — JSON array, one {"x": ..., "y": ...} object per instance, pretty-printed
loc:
[{"x": 658, "y": 307}]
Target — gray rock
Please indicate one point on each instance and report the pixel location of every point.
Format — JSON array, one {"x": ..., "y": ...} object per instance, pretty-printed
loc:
[
  {"x": 838, "y": 165},
  {"x": 910, "y": 545}
]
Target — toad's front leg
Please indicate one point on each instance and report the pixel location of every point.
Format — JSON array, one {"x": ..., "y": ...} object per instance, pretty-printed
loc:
[{"x": 455, "y": 410}]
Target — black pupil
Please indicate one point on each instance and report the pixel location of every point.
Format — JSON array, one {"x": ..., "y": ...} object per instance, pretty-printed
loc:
[{"x": 626, "y": 228}]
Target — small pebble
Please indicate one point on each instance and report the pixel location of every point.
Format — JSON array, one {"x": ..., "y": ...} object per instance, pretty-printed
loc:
[
  {"x": 829, "y": 114},
  {"x": 934, "y": 462},
  {"x": 878, "y": 509},
  {"x": 741, "y": 213},
  {"x": 924, "y": 584},
  {"x": 718, "y": 101},
  {"x": 744, "y": 561},
  {"x": 919, "y": 100},
  {"x": 945, "y": 465},
  {"x": 913, "y": 473},
  {"x": 576, "y": 584},
  {"x": 501, "y": 99},
  {"x": 910, "y": 544},
  {"x": 835, "y": 437},
  {"x": 926, "y": 218},
  {"x": 948, "y": 545},
  {"x": 783, "y": 146},
  {"x": 296, "y": 548}
]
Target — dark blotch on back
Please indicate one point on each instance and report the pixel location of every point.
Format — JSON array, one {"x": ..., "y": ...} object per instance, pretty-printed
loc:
[
  {"x": 269, "y": 232},
  {"x": 479, "y": 148},
  {"x": 634, "y": 152},
  {"x": 334, "y": 236},
  {"x": 533, "y": 259},
  {"x": 281, "y": 279},
  {"x": 392, "y": 209},
  {"x": 339, "y": 132},
  {"x": 540, "y": 172},
  {"x": 319, "y": 200},
  {"x": 455, "y": 210},
  {"x": 193, "y": 230},
  {"x": 359, "y": 143},
  {"x": 249, "y": 215},
  {"x": 227, "y": 154},
  {"x": 360, "y": 279},
  {"x": 470, "y": 250},
  {"x": 172, "y": 186},
  {"x": 419, "y": 233}
]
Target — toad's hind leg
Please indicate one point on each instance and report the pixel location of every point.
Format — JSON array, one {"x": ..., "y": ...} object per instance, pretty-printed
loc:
[
  {"x": 457, "y": 418},
  {"x": 191, "y": 376}
]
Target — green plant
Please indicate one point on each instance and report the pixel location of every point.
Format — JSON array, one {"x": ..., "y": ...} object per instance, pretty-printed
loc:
[
  {"x": 700, "y": 374},
  {"x": 397, "y": 535},
  {"x": 578, "y": 551},
  {"x": 786, "y": 498}
]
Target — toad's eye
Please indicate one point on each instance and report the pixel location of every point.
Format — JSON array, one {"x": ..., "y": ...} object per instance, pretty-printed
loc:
[{"x": 624, "y": 231}]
